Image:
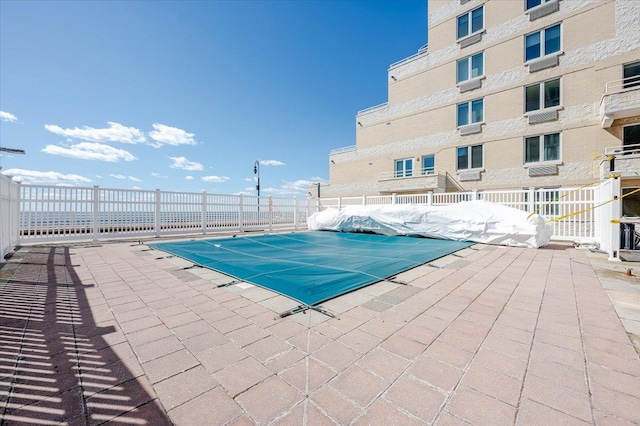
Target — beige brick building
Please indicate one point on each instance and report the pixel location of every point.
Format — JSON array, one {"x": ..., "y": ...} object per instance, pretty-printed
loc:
[{"x": 509, "y": 94}]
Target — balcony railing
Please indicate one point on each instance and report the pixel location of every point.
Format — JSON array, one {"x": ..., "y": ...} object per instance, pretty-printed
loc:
[
  {"x": 405, "y": 174},
  {"x": 621, "y": 99}
]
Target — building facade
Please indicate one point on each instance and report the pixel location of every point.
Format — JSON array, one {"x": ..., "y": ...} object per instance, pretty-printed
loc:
[{"x": 510, "y": 94}]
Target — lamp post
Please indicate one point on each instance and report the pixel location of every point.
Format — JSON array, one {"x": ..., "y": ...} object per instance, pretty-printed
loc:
[
  {"x": 256, "y": 171},
  {"x": 11, "y": 151}
]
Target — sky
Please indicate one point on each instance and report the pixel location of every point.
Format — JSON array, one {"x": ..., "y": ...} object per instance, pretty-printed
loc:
[{"x": 189, "y": 95}]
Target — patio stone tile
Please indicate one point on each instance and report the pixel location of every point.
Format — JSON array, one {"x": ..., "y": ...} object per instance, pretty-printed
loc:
[
  {"x": 402, "y": 346},
  {"x": 204, "y": 307},
  {"x": 242, "y": 375},
  {"x": 384, "y": 413},
  {"x": 551, "y": 338},
  {"x": 169, "y": 365},
  {"x": 360, "y": 340},
  {"x": 574, "y": 378},
  {"x": 532, "y": 412},
  {"x": 614, "y": 362},
  {"x": 571, "y": 402},
  {"x": 337, "y": 355},
  {"x": 449, "y": 354},
  {"x": 305, "y": 413},
  {"x": 151, "y": 413},
  {"x": 139, "y": 324},
  {"x": 328, "y": 331},
  {"x": 243, "y": 420},
  {"x": 307, "y": 375},
  {"x": 124, "y": 398},
  {"x": 617, "y": 403},
  {"x": 169, "y": 311},
  {"x": 285, "y": 360},
  {"x": 286, "y": 329},
  {"x": 230, "y": 324},
  {"x": 436, "y": 373},
  {"x": 615, "y": 380},
  {"x": 266, "y": 319},
  {"x": 180, "y": 319},
  {"x": 383, "y": 363},
  {"x": 464, "y": 341},
  {"x": 216, "y": 315},
  {"x": 133, "y": 315},
  {"x": 492, "y": 383},
  {"x": 268, "y": 400},
  {"x": 268, "y": 348},
  {"x": 480, "y": 409},
  {"x": 336, "y": 405},
  {"x": 379, "y": 328},
  {"x": 192, "y": 329},
  {"x": 309, "y": 341},
  {"x": 417, "y": 333},
  {"x": 182, "y": 387},
  {"x": 203, "y": 342},
  {"x": 157, "y": 348},
  {"x": 251, "y": 310},
  {"x": 419, "y": 399},
  {"x": 606, "y": 419},
  {"x": 247, "y": 335},
  {"x": 359, "y": 385},
  {"x": 220, "y": 357},
  {"x": 550, "y": 353},
  {"x": 507, "y": 347},
  {"x": 148, "y": 335},
  {"x": 213, "y": 407}
]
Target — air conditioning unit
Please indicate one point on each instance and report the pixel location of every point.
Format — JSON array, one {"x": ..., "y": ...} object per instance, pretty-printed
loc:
[
  {"x": 543, "y": 171},
  {"x": 469, "y": 176}
]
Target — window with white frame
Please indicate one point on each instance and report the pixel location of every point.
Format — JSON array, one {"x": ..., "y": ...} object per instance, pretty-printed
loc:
[
  {"x": 471, "y": 22},
  {"x": 631, "y": 75},
  {"x": 469, "y": 157},
  {"x": 404, "y": 167},
  {"x": 471, "y": 112},
  {"x": 542, "y": 95},
  {"x": 542, "y": 43},
  {"x": 530, "y": 4},
  {"x": 428, "y": 164},
  {"x": 542, "y": 148},
  {"x": 470, "y": 67}
]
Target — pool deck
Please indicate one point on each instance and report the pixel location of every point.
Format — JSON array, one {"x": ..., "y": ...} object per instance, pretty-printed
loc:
[{"x": 489, "y": 335}]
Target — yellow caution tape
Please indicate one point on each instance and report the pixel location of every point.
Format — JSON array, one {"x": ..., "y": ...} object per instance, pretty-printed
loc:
[{"x": 559, "y": 218}]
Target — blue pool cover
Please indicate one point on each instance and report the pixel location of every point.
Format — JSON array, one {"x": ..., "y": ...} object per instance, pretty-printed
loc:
[{"x": 312, "y": 267}]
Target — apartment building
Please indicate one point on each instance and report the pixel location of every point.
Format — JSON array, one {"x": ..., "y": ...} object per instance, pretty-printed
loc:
[{"x": 509, "y": 94}]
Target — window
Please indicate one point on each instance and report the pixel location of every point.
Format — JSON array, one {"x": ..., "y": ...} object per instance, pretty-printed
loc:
[
  {"x": 543, "y": 42},
  {"x": 470, "y": 22},
  {"x": 470, "y": 67},
  {"x": 404, "y": 168},
  {"x": 428, "y": 165},
  {"x": 542, "y": 148},
  {"x": 470, "y": 112},
  {"x": 530, "y": 4},
  {"x": 631, "y": 137},
  {"x": 631, "y": 75},
  {"x": 470, "y": 157},
  {"x": 542, "y": 95}
]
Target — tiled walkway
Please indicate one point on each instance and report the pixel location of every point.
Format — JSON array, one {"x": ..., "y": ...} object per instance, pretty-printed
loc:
[{"x": 118, "y": 333}]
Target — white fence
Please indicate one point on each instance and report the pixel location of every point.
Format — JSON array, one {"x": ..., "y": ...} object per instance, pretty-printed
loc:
[
  {"x": 571, "y": 209},
  {"x": 53, "y": 213},
  {"x": 40, "y": 213}
]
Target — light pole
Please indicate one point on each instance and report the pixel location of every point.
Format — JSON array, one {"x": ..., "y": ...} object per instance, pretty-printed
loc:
[
  {"x": 256, "y": 171},
  {"x": 11, "y": 151}
]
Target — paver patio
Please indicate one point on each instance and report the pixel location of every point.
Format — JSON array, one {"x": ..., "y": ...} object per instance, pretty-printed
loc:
[{"x": 491, "y": 335}]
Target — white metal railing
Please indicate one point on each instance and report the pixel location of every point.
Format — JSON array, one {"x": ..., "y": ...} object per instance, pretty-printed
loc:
[
  {"x": 343, "y": 149},
  {"x": 629, "y": 83},
  {"x": 366, "y": 110},
  {"x": 622, "y": 149},
  {"x": 52, "y": 213},
  {"x": 8, "y": 216},
  {"x": 572, "y": 207},
  {"x": 404, "y": 174}
]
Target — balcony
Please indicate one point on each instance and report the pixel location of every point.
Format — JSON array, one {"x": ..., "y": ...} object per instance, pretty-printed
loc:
[
  {"x": 621, "y": 160},
  {"x": 428, "y": 179},
  {"x": 621, "y": 99}
]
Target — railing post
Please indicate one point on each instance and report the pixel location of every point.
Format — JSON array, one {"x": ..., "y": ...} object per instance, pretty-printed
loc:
[
  {"x": 96, "y": 212},
  {"x": 394, "y": 198},
  {"x": 156, "y": 219},
  {"x": 475, "y": 195},
  {"x": 204, "y": 212},
  {"x": 241, "y": 214},
  {"x": 339, "y": 202},
  {"x": 532, "y": 200},
  {"x": 614, "y": 235},
  {"x": 295, "y": 213},
  {"x": 364, "y": 200},
  {"x": 430, "y": 199},
  {"x": 270, "y": 213}
]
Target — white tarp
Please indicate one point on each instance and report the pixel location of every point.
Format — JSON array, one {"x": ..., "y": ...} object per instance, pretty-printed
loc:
[{"x": 477, "y": 221}]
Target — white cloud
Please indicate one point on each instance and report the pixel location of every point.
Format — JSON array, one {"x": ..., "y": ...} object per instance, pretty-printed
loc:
[
  {"x": 116, "y": 132},
  {"x": 90, "y": 151},
  {"x": 49, "y": 178},
  {"x": 123, "y": 177},
  {"x": 167, "y": 135},
  {"x": 184, "y": 164},
  {"x": 7, "y": 116},
  {"x": 215, "y": 179},
  {"x": 188, "y": 177},
  {"x": 158, "y": 175},
  {"x": 295, "y": 188},
  {"x": 249, "y": 179},
  {"x": 271, "y": 163}
]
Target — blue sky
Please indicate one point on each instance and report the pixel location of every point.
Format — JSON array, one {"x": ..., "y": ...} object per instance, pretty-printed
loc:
[{"x": 187, "y": 95}]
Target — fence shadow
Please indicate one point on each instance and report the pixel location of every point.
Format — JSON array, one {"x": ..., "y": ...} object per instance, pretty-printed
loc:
[{"x": 56, "y": 364}]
